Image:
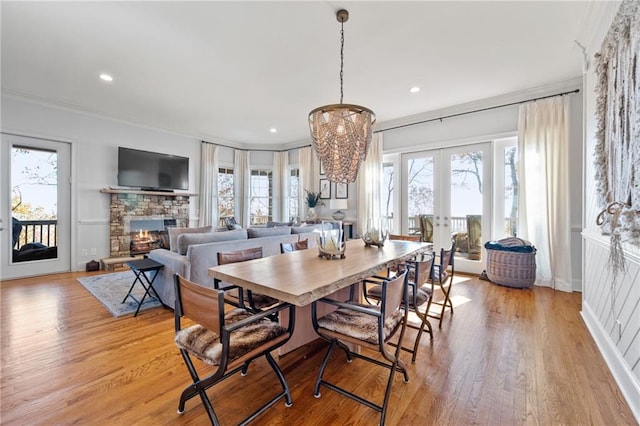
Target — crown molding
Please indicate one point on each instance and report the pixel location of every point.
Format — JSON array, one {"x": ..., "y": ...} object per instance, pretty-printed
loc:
[
  {"x": 96, "y": 113},
  {"x": 495, "y": 101}
]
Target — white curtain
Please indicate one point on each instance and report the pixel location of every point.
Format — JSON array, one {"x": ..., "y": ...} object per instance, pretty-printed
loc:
[
  {"x": 241, "y": 181},
  {"x": 280, "y": 201},
  {"x": 369, "y": 182},
  {"x": 543, "y": 206},
  {"x": 306, "y": 178},
  {"x": 208, "y": 185}
]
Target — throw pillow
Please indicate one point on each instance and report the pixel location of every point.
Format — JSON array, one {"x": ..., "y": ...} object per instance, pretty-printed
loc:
[{"x": 174, "y": 233}]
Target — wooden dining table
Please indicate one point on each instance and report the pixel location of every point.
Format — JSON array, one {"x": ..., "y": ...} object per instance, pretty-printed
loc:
[{"x": 302, "y": 277}]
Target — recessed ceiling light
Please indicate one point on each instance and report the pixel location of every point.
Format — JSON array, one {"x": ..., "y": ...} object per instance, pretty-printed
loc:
[
  {"x": 106, "y": 77},
  {"x": 273, "y": 130},
  {"x": 414, "y": 89}
]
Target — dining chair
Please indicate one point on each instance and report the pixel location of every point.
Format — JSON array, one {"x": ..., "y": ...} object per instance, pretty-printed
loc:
[
  {"x": 257, "y": 302},
  {"x": 442, "y": 276},
  {"x": 228, "y": 341},
  {"x": 391, "y": 271},
  {"x": 425, "y": 222},
  {"x": 420, "y": 294},
  {"x": 290, "y": 247},
  {"x": 369, "y": 327}
]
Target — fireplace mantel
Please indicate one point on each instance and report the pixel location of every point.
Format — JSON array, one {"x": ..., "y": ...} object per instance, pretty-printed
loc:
[{"x": 140, "y": 192}]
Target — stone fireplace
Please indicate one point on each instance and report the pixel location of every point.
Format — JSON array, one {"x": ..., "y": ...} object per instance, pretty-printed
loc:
[
  {"x": 147, "y": 233},
  {"x": 147, "y": 215}
]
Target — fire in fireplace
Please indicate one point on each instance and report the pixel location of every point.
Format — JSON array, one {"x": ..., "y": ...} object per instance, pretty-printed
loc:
[{"x": 149, "y": 234}]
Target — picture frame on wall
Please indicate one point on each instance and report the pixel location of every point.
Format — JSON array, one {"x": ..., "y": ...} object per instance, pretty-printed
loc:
[
  {"x": 321, "y": 168},
  {"x": 325, "y": 189},
  {"x": 342, "y": 190}
]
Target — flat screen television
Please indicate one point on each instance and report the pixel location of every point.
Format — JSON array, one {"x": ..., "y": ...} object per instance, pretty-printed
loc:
[{"x": 152, "y": 170}]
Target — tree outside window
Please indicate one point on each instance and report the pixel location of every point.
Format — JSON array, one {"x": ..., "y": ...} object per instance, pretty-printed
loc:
[
  {"x": 226, "y": 196},
  {"x": 511, "y": 190},
  {"x": 294, "y": 193}
]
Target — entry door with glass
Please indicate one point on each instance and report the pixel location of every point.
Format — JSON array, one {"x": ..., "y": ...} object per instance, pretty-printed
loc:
[
  {"x": 447, "y": 200},
  {"x": 34, "y": 207}
]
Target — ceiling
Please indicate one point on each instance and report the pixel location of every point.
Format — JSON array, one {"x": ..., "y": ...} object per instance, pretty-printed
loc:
[{"x": 233, "y": 70}]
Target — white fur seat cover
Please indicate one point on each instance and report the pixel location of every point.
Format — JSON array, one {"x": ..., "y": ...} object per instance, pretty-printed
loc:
[
  {"x": 205, "y": 344},
  {"x": 359, "y": 325}
]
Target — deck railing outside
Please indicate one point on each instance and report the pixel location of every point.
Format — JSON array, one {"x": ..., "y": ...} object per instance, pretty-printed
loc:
[
  {"x": 459, "y": 224},
  {"x": 38, "y": 231}
]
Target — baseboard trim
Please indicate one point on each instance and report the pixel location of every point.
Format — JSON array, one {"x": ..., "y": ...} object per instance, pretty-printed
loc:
[{"x": 623, "y": 376}]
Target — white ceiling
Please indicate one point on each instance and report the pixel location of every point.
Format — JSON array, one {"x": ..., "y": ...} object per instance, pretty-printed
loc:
[{"x": 233, "y": 70}]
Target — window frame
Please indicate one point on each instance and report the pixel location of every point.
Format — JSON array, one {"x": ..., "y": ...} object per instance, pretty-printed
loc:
[
  {"x": 228, "y": 170},
  {"x": 268, "y": 172}
]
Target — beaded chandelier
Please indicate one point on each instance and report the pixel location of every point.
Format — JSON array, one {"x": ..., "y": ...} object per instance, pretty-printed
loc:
[{"x": 341, "y": 133}]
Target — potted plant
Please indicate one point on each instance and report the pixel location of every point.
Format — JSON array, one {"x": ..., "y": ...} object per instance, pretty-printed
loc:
[{"x": 312, "y": 200}]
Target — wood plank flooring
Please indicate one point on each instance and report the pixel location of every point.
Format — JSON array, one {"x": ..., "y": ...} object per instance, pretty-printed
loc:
[{"x": 507, "y": 357}]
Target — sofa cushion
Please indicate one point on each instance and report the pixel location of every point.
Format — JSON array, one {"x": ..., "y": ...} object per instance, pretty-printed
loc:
[
  {"x": 268, "y": 232},
  {"x": 303, "y": 229},
  {"x": 276, "y": 224},
  {"x": 185, "y": 240},
  {"x": 175, "y": 232}
]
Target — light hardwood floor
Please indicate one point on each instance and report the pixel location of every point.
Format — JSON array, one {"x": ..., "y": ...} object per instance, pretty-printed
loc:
[{"x": 507, "y": 357}]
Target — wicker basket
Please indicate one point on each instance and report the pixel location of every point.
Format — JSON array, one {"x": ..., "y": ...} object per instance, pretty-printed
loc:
[{"x": 511, "y": 268}]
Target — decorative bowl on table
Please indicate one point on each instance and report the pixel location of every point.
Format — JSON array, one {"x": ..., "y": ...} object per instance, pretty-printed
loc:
[
  {"x": 330, "y": 241},
  {"x": 375, "y": 237}
]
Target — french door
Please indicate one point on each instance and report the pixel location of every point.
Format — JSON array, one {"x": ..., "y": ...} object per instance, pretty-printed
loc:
[
  {"x": 35, "y": 225},
  {"x": 447, "y": 194}
]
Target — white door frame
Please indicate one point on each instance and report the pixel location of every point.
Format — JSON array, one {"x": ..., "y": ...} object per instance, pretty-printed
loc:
[
  {"x": 62, "y": 263},
  {"x": 442, "y": 198}
]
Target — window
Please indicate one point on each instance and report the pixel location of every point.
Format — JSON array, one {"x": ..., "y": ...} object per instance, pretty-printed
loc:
[
  {"x": 261, "y": 197},
  {"x": 293, "y": 188},
  {"x": 226, "y": 197},
  {"x": 506, "y": 187}
]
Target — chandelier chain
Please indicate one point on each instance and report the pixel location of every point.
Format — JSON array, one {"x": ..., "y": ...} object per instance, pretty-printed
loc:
[{"x": 341, "y": 58}]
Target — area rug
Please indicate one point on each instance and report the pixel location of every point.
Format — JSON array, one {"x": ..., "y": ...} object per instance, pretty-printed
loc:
[{"x": 110, "y": 289}]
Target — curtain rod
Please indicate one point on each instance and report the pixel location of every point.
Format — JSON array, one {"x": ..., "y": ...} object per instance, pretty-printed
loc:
[
  {"x": 417, "y": 122},
  {"x": 256, "y": 150},
  {"x": 477, "y": 110}
]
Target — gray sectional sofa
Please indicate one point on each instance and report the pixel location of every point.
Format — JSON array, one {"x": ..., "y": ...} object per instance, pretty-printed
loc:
[{"x": 191, "y": 253}]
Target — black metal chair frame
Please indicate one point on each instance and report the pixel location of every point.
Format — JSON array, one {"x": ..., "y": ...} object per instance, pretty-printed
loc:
[
  {"x": 413, "y": 268},
  {"x": 394, "y": 361},
  {"x": 446, "y": 265},
  {"x": 200, "y": 385},
  {"x": 241, "y": 299}
]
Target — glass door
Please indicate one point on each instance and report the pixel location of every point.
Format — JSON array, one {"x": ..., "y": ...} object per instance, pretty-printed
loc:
[
  {"x": 447, "y": 200},
  {"x": 35, "y": 207}
]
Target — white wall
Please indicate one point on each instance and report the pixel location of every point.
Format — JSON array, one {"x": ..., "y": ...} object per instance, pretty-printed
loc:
[
  {"x": 604, "y": 302},
  {"x": 493, "y": 124},
  {"x": 95, "y": 142}
]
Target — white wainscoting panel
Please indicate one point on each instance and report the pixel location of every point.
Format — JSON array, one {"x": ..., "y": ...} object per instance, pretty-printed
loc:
[{"x": 612, "y": 313}]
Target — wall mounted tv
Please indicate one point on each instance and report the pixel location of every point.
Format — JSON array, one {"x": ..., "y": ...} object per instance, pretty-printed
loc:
[{"x": 152, "y": 170}]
